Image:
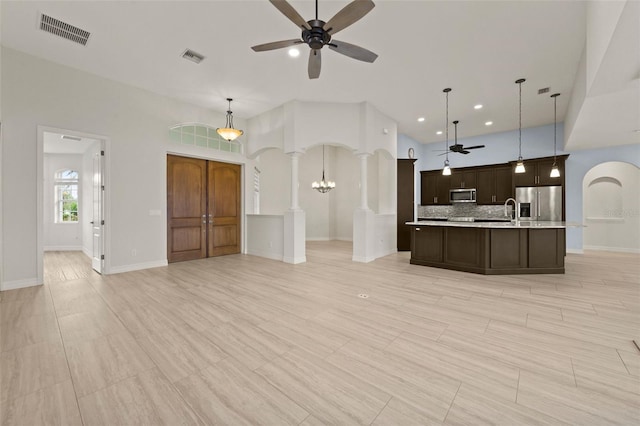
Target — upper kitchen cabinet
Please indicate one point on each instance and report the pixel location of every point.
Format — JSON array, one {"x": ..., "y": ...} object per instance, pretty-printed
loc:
[
  {"x": 537, "y": 172},
  {"x": 493, "y": 184},
  {"x": 434, "y": 188},
  {"x": 463, "y": 179}
]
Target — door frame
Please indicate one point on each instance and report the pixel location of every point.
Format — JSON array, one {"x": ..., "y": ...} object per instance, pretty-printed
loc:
[
  {"x": 105, "y": 143},
  {"x": 242, "y": 162}
]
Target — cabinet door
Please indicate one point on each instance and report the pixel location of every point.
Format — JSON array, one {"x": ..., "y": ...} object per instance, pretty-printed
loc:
[
  {"x": 486, "y": 186},
  {"x": 528, "y": 178},
  {"x": 442, "y": 191},
  {"x": 428, "y": 185},
  {"x": 544, "y": 169},
  {"x": 504, "y": 186},
  {"x": 469, "y": 179},
  {"x": 456, "y": 180},
  {"x": 404, "y": 206}
]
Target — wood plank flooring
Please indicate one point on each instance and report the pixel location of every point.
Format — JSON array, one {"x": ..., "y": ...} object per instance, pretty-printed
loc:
[{"x": 240, "y": 340}]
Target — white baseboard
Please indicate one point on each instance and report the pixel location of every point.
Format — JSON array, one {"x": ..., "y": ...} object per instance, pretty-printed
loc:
[
  {"x": 613, "y": 249},
  {"x": 295, "y": 260},
  {"x": 266, "y": 254},
  {"x": 387, "y": 252},
  {"x": 63, "y": 248},
  {"x": 575, "y": 251},
  {"x": 318, "y": 239},
  {"x": 363, "y": 259},
  {"x": 13, "y": 285},
  {"x": 137, "y": 266},
  {"x": 88, "y": 252}
]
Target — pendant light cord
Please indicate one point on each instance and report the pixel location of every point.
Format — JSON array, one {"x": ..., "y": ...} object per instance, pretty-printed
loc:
[
  {"x": 446, "y": 127},
  {"x": 555, "y": 124},
  {"x": 323, "y": 163},
  {"x": 520, "y": 121}
]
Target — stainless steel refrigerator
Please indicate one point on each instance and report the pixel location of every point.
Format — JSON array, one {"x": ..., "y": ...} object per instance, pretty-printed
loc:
[{"x": 540, "y": 202}]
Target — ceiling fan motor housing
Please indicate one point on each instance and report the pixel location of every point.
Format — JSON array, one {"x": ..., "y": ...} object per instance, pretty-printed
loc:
[{"x": 316, "y": 37}]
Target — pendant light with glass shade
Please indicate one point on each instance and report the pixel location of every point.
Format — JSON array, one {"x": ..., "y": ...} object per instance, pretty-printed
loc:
[
  {"x": 228, "y": 132},
  {"x": 520, "y": 164},
  {"x": 446, "y": 170},
  {"x": 555, "y": 171},
  {"x": 324, "y": 185}
]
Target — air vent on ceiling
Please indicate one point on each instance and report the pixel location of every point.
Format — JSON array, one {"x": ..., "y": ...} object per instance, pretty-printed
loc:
[
  {"x": 71, "y": 138},
  {"x": 192, "y": 56},
  {"x": 64, "y": 30},
  {"x": 543, "y": 90}
]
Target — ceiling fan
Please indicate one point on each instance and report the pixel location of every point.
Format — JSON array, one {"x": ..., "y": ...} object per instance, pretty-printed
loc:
[
  {"x": 317, "y": 33},
  {"x": 457, "y": 147}
]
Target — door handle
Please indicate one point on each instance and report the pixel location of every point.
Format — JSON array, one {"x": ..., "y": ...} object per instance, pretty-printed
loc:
[
  {"x": 91, "y": 222},
  {"x": 204, "y": 219}
]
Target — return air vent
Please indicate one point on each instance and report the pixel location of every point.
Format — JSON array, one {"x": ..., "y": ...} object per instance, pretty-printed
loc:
[
  {"x": 64, "y": 30},
  {"x": 543, "y": 91},
  {"x": 192, "y": 56}
]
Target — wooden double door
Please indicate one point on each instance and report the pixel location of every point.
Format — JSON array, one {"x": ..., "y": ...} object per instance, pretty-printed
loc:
[{"x": 203, "y": 208}]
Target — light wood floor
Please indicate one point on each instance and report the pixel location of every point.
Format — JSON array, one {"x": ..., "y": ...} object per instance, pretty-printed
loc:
[{"x": 244, "y": 340}]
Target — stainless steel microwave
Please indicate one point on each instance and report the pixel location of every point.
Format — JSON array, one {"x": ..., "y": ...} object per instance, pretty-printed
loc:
[{"x": 466, "y": 195}]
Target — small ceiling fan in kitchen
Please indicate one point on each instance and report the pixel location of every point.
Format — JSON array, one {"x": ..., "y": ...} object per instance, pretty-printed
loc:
[
  {"x": 457, "y": 147},
  {"x": 317, "y": 33}
]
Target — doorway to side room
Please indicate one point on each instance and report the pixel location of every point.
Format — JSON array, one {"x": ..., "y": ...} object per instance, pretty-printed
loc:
[{"x": 71, "y": 205}]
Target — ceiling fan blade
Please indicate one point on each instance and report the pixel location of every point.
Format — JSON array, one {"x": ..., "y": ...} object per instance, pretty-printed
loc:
[
  {"x": 348, "y": 15},
  {"x": 474, "y": 147},
  {"x": 276, "y": 45},
  {"x": 315, "y": 63},
  {"x": 287, "y": 10},
  {"x": 463, "y": 152},
  {"x": 352, "y": 51}
]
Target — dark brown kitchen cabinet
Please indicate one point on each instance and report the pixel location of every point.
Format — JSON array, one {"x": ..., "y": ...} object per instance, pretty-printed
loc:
[
  {"x": 405, "y": 190},
  {"x": 434, "y": 188},
  {"x": 493, "y": 184},
  {"x": 537, "y": 172},
  {"x": 463, "y": 179}
]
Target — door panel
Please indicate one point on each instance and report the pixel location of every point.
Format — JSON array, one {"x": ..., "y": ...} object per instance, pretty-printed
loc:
[
  {"x": 186, "y": 208},
  {"x": 96, "y": 223},
  {"x": 223, "y": 208}
]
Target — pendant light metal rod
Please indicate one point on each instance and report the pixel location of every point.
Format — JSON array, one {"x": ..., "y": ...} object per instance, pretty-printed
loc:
[
  {"x": 555, "y": 171},
  {"x": 519, "y": 82},
  {"x": 446, "y": 171}
]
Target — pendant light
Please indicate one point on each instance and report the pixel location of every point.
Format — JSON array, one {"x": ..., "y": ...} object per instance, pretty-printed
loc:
[
  {"x": 446, "y": 171},
  {"x": 520, "y": 164},
  {"x": 228, "y": 132},
  {"x": 324, "y": 185},
  {"x": 555, "y": 172}
]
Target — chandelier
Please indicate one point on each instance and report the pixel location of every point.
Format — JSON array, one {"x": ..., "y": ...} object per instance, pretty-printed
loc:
[
  {"x": 324, "y": 185},
  {"x": 228, "y": 132}
]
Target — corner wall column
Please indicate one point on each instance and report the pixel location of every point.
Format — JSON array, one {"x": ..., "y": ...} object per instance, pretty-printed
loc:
[
  {"x": 363, "y": 220},
  {"x": 294, "y": 220}
]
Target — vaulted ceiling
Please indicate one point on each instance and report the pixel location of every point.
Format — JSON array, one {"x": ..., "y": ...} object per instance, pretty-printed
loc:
[{"x": 478, "y": 48}]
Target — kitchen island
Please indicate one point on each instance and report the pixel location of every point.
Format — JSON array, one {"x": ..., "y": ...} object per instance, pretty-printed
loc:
[{"x": 492, "y": 248}]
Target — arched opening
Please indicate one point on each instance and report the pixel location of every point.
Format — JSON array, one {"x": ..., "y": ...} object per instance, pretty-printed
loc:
[{"x": 611, "y": 207}]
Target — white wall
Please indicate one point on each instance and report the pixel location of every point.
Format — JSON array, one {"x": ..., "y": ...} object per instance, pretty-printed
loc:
[
  {"x": 266, "y": 236},
  {"x": 275, "y": 181},
  {"x": 39, "y": 92},
  {"x": 612, "y": 207},
  {"x": 62, "y": 236}
]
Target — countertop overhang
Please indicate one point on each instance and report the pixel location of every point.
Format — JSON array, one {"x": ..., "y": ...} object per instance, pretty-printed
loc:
[{"x": 496, "y": 225}]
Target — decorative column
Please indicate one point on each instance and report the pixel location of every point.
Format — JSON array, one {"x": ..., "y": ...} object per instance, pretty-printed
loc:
[
  {"x": 294, "y": 220},
  {"x": 363, "y": 220}
]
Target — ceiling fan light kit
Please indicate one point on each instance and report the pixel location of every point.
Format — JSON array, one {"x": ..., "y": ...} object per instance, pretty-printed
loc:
[
  {"x": 520, "y": 164},
  {"x": 228, "y": 132},
  {"x": 317, "y": 33}
]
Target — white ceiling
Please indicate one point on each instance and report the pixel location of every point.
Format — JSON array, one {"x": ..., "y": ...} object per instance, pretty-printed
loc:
[
  {"x": 54, "y": 143},
  {"x": 478, "y": 48}
]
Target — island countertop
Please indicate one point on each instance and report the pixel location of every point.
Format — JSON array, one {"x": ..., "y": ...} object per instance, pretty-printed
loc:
[{"x": 523, "y": 224}]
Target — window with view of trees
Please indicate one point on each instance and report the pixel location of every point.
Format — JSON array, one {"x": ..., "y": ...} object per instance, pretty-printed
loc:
[{"x": 66, "y": 193}]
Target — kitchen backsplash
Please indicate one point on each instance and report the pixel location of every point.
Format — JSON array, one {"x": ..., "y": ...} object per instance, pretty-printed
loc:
[{"x": 464, "y": 210}]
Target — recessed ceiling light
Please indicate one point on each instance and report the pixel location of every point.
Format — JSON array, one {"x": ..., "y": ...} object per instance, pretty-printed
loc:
[
  {"x": 479, "y": 106},
  {"x": 421, "y": 119},
  {"x": 439, "y": 132},
  {"x": 488, "y": 123},
  {"x": 294, "y": 53}
]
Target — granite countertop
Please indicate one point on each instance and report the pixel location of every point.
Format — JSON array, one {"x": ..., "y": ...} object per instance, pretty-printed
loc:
[{"x": 520, "y": 224}]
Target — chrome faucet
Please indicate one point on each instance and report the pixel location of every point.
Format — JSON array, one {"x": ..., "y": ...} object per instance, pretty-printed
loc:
[{"x": 516, "y": 216}]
